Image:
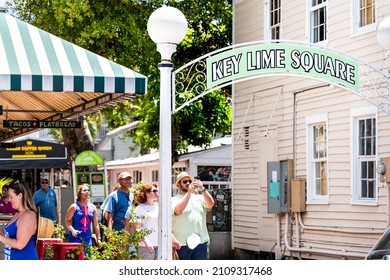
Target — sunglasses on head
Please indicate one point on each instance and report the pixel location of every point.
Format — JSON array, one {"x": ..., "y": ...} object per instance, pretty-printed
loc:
[{"x": 186, "y": 181}]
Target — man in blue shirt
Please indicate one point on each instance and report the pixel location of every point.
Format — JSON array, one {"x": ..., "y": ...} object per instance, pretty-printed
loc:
[
  {"x": 46, "y": 200},
  {"x": 118, "y": 202}
]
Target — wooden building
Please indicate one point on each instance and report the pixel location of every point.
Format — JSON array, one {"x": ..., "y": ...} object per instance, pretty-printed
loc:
[{"x": 330, "y": 140}]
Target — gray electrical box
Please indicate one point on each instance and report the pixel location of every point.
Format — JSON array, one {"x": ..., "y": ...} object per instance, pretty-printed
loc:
[{"x": 279, "y": 175}]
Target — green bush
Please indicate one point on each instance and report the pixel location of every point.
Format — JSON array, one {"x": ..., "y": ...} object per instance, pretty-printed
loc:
[{"x": 120, "y": 245}]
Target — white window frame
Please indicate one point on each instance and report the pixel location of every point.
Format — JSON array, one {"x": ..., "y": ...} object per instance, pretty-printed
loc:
[
  {"x": 309, "y": 25},
  {"x": 356, "y": 30},
  {"x": 357, "y": 114},
  {"x": 312, "y": 197},
  {"x": 267, "y": 20},
  {"x": 137, "y": 176},
  {"x": 154, "y": 174}
]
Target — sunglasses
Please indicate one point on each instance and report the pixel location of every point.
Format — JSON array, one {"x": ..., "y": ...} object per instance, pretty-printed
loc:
[
  {"x": 85, "y": 190},
  {"x": 186, "y": 181},
  {"x": 45, "y": 182}
]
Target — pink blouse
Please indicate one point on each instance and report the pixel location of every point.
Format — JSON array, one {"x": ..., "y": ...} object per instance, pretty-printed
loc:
[{"x": 6, "y": 208}]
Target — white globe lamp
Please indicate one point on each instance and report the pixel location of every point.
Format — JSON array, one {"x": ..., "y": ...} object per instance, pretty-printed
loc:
[
  {"x": 167, "y": 26},
  {"x": 383, "y": 34}
]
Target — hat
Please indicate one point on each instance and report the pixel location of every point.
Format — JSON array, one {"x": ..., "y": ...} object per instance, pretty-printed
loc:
[
  {"x": 124, "y": 175},
  {"x": 45, "y": 227},
  {"x": 182, "y": 175}
]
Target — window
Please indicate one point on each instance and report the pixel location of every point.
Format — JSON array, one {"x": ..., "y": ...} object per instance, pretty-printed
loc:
[
  {"x": 364, "y": 16},
  {"x": 246, "y": 137},
  {"x": 214, "y": 173},
  {"x": 364, "y": 155},
  {"x": 154, "y": 175},
  {"x": 317, "y": 158},
  {"x": 272, "y": 19},
  {"x": 137, "y": 176},
  {"x": 318, "y": 21},
  {"x": 366, "y": 12}
]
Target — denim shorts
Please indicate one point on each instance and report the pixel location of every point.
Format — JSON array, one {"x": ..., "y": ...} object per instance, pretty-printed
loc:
[{"x": 200, "y": 252}]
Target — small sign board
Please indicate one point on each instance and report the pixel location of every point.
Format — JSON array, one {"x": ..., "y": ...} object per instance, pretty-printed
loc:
[
  {"x": 41, "y": 124},
  {"x": 89, "y": 158}
]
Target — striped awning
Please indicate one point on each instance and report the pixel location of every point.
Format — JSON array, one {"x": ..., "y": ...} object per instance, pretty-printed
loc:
[
  {"x": 32, "y": 59},
  {"x": 43, "y": 77}
]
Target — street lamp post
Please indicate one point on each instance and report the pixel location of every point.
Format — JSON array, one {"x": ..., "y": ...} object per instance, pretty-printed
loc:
[{"x": 167, "y": 27}]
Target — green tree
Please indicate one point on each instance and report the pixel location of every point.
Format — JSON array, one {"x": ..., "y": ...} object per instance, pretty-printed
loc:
[{"x": 117, "y": 30}]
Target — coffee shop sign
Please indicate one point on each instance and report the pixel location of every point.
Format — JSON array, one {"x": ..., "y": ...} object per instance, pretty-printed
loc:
[{"x": 285, "y": 58}]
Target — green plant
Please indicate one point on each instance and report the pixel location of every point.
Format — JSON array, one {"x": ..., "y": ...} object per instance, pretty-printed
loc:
[
  {"x": 49, "y": 254},
  {"x": 119, "y": 245},
  {"x": 5, "y": 181},
  {"x": 59, "y": 232}
]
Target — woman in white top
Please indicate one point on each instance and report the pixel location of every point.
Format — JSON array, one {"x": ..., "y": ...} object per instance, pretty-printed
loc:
[{"x": 147, "y": 210}]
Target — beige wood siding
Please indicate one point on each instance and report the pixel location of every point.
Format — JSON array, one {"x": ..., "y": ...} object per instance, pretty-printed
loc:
[{"x": 254, "y": 100}]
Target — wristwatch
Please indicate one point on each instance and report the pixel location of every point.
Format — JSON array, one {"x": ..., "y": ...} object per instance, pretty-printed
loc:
[{"x": 202, "y": 191}]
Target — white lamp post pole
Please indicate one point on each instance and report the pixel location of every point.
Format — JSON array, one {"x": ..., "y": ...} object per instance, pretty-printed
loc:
[
  {"x": 167, "y": 27},
  {"x": 165, "y": 161}
]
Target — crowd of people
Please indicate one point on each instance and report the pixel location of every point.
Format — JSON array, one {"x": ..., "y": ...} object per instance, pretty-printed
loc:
[{"x": 190, "y": 236}]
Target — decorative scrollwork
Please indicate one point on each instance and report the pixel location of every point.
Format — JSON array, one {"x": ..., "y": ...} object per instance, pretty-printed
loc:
[{"x": 190, "y": 82}]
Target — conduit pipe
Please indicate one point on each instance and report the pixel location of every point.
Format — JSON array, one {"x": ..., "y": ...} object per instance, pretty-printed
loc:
[
  {"x": 317, "y": 251},
  {"x": 273, "y": 111},
  {"x": 335, "y": 229},
  {"x": 297, "y": 233},
  {"x": 278, "y": 249},
  {"x": 246, "y": 114}
]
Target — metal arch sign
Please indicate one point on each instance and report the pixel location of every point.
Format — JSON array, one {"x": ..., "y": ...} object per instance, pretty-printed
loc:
[
  {"x": 252, "y": 60},
  {"x": 288, "y": 58}
]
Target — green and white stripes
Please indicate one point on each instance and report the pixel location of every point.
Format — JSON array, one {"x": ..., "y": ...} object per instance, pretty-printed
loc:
[{"x": 32, "y": 59}]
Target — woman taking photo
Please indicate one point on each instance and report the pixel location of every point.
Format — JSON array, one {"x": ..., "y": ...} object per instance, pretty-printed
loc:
[
  {"x": 20, "y": 234},
  {"x": 79, "y": 217}
]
